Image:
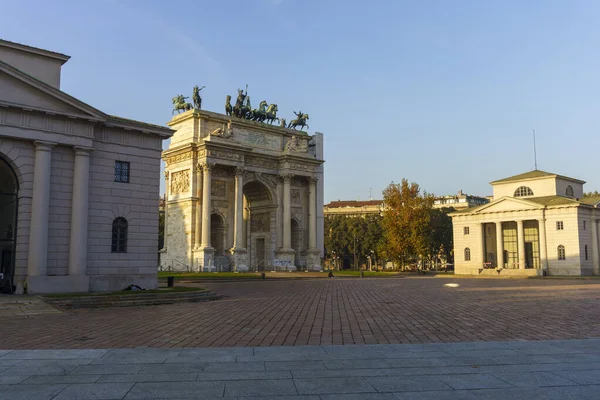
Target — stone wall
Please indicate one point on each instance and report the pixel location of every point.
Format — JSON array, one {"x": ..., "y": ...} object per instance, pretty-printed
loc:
[
  {"x": 137, "y": 202},
  {"x": 568, "y": 237}
]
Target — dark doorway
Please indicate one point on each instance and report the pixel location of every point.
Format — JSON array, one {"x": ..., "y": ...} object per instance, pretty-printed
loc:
[
  {"x": 260, "y": 254},
  {"x": 296, "y": 233},
  {"x": 528, "y": 255},
  {"x": 8, "y": 224}
]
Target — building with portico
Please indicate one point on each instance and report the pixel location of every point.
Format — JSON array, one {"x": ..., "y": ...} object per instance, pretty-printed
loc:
[
  {"x": 79, "y": 188},
  {"x": 241, "y": 195},
  {"x": 538, "y": 223}
]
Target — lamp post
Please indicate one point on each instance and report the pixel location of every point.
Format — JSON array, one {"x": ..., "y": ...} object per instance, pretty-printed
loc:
[
  {"x": 355, "y": 266},
  {"x": 373, "y": 259},
  {"x": 369, "y": 261}
]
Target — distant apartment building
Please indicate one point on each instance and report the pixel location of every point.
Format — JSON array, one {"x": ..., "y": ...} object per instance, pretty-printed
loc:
[
  {"x": 353, "y": 208},
  {"x": 460, "y": 201}
]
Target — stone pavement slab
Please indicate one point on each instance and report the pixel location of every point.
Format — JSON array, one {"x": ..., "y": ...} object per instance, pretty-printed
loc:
[{"x": 500, "y": 371}]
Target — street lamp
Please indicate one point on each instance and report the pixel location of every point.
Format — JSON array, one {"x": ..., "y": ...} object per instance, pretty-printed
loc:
[
  {"x": 373, "y": 258},
  {"x": 369, "y": 261}
]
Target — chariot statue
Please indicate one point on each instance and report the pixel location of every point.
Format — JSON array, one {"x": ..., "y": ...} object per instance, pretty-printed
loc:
[
  {"x": 196, "y": 97},
  {"x": 282, "y": 123},
  {"x": 179, "y": 104},
  {"x": 238, "y": 109},
  {"x": 260, "y": 114}
]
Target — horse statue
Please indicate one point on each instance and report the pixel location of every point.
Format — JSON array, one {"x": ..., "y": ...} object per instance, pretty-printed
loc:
[
  {"x": 300, "y": 121},
  {"x": 196, "y": 97},
  {"x": 246, "y": 110},
  {"x": 179, "y": 104},
  {"x": 260, "y": 114},
  {"x": 272, "y": 114},
  {"x": 282, "y": 123},
  {"x": 228, "y": 108},
  {"x": 239, "y": 104}
]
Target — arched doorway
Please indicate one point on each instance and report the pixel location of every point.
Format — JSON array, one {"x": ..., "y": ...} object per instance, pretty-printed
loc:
[
  {"x": 258, "y": 210},
  {"x": 296, "y": 235},
  {"x": 9, "y": 188}
]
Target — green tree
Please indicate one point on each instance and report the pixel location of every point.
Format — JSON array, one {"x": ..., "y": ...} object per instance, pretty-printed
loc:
[
  {"x": 161, "y": 229},
  {"x": 591, "y": 194},
  {"x": 440, "y": 234}
]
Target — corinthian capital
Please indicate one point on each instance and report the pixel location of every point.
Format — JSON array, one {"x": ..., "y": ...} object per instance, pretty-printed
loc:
[
  {"x": 239, "y": 171},
  {"x": 206, "y": 166},
  {"x": 313, "y": 179},
  {"x": 286, "y": 177}
]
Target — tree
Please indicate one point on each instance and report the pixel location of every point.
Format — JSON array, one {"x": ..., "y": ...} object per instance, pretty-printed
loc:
[
  {"x": 161, "y": 229},
  {"x": 352, "y": 236},
  {"x": 440, "y": 234},
  {"x": 406, "y": 219},
  {"x": 591, "y": 194}
]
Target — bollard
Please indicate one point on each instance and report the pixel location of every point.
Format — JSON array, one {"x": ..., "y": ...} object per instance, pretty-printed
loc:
[
  {"x": 362, "y": 274},
  {"x": 262, "y": 275},
  {"x": 170, "y": 281}
]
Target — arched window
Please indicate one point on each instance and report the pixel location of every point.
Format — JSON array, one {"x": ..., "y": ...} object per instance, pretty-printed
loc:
[
  {"x": 569, "y": 191},
  {"x": 523, "y": 191},
  {"x": 561, "y": 252},
  {"x": 119, "y": 235},
  {"x": 467, "y": 254}
]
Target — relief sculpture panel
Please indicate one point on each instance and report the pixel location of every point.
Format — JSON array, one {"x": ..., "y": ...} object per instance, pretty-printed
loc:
[
  {"x": 218, "y": 189},
  {"x": 260, "y": 223},
  {"x": 180, "y": 182},
  {"x": 295, "y": 194}
]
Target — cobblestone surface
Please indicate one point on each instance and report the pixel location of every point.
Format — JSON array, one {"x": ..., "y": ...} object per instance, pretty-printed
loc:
[{"x": 329, "y": 312}]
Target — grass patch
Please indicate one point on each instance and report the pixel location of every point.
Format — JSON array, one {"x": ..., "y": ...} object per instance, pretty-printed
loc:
[
  {"x": 209, "y": 275},
  {"x": 366, "y": 273},
  {"x": 127, "y": 292}
]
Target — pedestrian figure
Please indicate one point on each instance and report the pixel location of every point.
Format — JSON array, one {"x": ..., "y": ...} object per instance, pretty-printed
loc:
[{"x": 330, "y": 275}]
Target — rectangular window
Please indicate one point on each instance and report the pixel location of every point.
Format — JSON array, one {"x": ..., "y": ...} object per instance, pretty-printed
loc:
[
  {"x": 586, "y": 257},
  {"x": 466, "y": 230},
  {"x": 122, "y": 171},
  {"x": 559, "y": 225}
]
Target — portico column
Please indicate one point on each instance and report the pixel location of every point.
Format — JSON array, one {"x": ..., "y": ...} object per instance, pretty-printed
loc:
[
  {"x": 198, "y": 222},
  {"x": 596, "y": 264},
  {"x": 166, "y": 225},
  {"x": 40, "y": 207},
  {"x": 238, "y": 238},
  {"x": 206, "y": 206},
  {"x": 287, "y": 212},
  {"x": 312, "y": 213},
  {"x": 521, "y": 244},
  {"x": 79, "y": 213},
  {"x": 542, "y": 239},
  {"x": 481, "y": 244},
  {"x": 499, "y": 246}
]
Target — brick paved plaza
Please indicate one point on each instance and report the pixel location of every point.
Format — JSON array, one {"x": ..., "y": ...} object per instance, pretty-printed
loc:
[{"x": 329, "y": 312}]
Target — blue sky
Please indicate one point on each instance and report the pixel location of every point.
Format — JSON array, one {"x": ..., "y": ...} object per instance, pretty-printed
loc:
[{"x": 443, "y": 93}]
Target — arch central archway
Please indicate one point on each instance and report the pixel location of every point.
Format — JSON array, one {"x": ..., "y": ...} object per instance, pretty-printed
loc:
[
  {"x": 259, "y": 223},
  {"x": 9, "y": 188}
]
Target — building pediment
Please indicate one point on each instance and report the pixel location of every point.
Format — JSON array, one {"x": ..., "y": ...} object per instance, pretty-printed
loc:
[
  {"x": 505, "y": 204},
  {"x": 20, "y": 90}
]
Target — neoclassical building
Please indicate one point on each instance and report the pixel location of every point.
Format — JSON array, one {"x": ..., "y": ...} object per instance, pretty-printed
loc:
[
  {"x": 79, "y": 189},
  {"x": 241, "y": 195},
  {"x": 538, "y": 223}
]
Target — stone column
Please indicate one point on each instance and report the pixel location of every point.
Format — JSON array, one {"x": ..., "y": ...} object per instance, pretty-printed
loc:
[
  {"x": 166, "y": 225},
  {"x": 521, "y": 244},
  {"x": 542, "y": 239},
  {"x": 595, "y": 261},
  {"x": 279, "y": 218},
  {"x": 313, "y": 255},
  {"x": 482, "y": 246},
  {"x": 79, "y": 213},
  {"x": 286, "y": 255},
  {"x": 207, "y": 252},
  {"x": 287, "y": 212},
  {"x": 312, "y": 214},
  {"x": 499, "y": 246},
  {"x": 198, "y": 221},
  {"x": 206, "y": 204},
  {"x": 40, "y": 208},
  {"x": 240, "y": 255}
]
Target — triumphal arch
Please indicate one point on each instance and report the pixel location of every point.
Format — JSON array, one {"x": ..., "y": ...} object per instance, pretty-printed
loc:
[{"x": 241, "y": 195}]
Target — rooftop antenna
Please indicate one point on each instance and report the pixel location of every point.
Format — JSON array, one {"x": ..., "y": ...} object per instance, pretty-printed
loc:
[
  {"x": 534, "y": 151},
  {"x": 370, "y": 197}
]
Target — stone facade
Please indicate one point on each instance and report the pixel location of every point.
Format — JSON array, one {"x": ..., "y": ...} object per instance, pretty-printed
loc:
[
  {"x": 62, "y": 154},
  {"x": 537, "y": 224},
  {"x": 250, "y": 199}
]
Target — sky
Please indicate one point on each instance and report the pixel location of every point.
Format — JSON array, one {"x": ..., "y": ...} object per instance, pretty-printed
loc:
[{"x": 442, "y": 93}]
